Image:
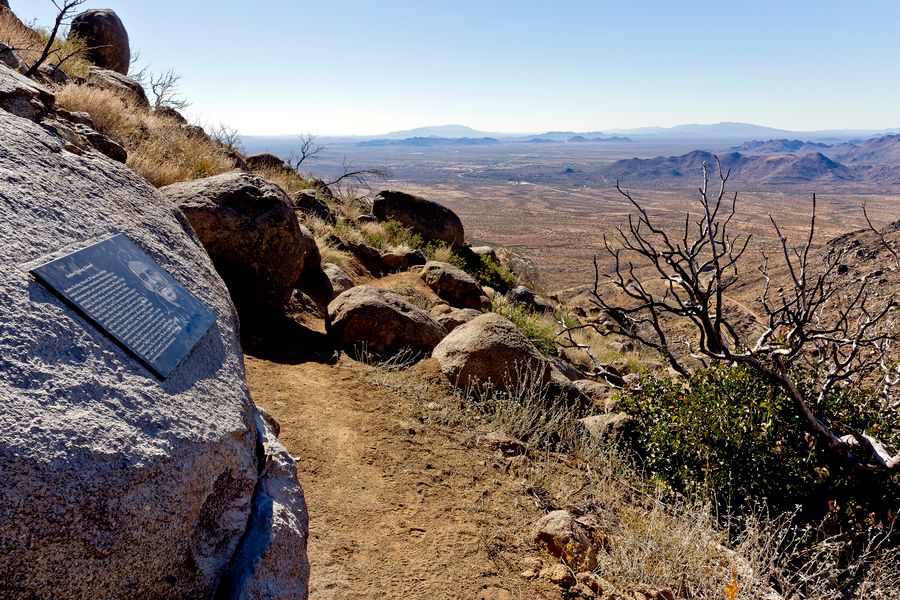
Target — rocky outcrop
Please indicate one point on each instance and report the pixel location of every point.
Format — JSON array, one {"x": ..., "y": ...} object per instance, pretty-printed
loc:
[
  {"x": 429, "y": 219},
  {"x": 563, "y": 536},
  {"x": 375, "y": 320},
  {"x": 489, "y": 350},
  {"x": 105, "y": 37},
  {"x": 340, "y": 281},
  {"x": 250, "y": 231},
  {"x": 454, "y": 285},
  {"x": 451, "y": 318},
  {"x": 523, "y": 296},
  {"x": 266, "y": 160},
  {"x": 308, "y": 203},
  {"x": 123, "y": 85},
  {"x": 116, "y": 484},
  {"x": 23, "y": 97}
]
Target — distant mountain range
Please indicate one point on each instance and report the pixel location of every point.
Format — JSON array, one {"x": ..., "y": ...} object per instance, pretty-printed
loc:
[
  {"x": 432, "y": 140},
  {"x": 874, "y": 162},
  {"x": 780, "y": 146}
]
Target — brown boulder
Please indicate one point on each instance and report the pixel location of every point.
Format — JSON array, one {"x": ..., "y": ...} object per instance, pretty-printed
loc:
[
  {"x": 429, "y": 219},
  {"x": 523, "y": 296},
  {"x": 564, "y": 537},
  {"x": 454, "y": 285},
  {"x": 367, "y": 318},
  {"x": 489, "y": 350},
  {"x": 122, "y": 85},
  {"x": 249, "y": 230},
  {"x": 451, "y": 318},
  {"x": 105, "y": 37},
  {"x": 266, "y": 160},
  {"x": 308, "y": 203}
]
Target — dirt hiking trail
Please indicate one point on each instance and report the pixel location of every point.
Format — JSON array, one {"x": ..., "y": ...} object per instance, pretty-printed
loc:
[{"x": 397, "y": 509}]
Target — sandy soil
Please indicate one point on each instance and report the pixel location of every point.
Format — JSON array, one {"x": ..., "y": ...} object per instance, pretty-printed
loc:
[{"x": 397, "y": 509}]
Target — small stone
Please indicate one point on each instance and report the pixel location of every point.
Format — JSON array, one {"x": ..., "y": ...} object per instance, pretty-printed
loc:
[{"x": 558, "y": 574}]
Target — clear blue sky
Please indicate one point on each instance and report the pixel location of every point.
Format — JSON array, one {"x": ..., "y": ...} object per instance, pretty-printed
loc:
[{"x": 366, "y": 67}]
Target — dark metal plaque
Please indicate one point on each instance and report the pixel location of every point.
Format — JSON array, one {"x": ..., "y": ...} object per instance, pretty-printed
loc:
[{"x": 134, "y": 301}]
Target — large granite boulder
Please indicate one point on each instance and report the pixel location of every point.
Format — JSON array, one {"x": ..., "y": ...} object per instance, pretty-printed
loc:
[
  {"x": 429, "y": 219},
  {"x": 454, "y": 285},
  {"x": 381, "y": 322},
  {"x": 249, "y": 229},
  {"x": 105, "y": 37},
  {"x": 117, "y": 484},
  {"x": 123, "y": 85},
  {"x": 490, "y": 350}
]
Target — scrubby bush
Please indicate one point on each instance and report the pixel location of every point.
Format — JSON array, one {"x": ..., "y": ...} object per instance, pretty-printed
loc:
[
  {"x": 729, "y": 435},
  {"x": 537, "y": 328},
  {"x": 496, "y": 275}
]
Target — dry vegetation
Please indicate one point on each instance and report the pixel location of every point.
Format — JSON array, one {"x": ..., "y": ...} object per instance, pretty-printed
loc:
[
  {"x": 159, "y": 148},
  {"x": 649, "y": 537},
  {"x": 28, "y": 44}
]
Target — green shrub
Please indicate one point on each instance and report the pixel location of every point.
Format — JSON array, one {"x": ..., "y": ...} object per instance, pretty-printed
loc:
[
  {"x": 496, "y": 275},
  {"x": 534, "y": 326},
  {"x": 728, "y": 434}
]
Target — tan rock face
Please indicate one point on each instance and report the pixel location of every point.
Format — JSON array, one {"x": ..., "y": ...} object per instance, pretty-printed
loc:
[
  {"x": 381, "y": 322},
  {"x": 489, "y": 349},
  {"x": 454, "y": 285}
]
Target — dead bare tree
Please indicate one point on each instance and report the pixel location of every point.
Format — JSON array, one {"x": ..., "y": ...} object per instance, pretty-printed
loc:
[
  {"x": 881, "y": 237},
  {"x": 226, "y": 135},
  {"x": 307, "y": 147},
  {"x": 841, "y": 334},
  {"x": 353, "y": 178},
  {"x": 63, "y": 14},
  {"x": 164, "y": 88}
]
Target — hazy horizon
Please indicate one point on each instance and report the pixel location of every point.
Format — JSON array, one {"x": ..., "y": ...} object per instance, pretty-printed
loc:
[{"x": 350, "y": 67}]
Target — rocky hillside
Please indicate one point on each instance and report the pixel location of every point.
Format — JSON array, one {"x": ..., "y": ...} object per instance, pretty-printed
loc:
[{"x": 451, "y": 441}]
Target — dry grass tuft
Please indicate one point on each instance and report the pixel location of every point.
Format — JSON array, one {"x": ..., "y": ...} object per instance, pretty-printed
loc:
[
  {"x": 159, "y": 147},
  {"x": 290, "y": 181},
  {"x": 28, "y": 44}
]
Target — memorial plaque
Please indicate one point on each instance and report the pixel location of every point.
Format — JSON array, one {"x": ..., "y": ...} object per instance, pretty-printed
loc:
[{"x": 132, "y": 299}]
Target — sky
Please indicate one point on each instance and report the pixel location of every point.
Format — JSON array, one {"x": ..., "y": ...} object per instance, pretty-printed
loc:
[{"x": 345, "y": 67}]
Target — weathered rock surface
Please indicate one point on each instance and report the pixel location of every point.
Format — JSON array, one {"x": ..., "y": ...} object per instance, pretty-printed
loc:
[
  {"x": 122, "y": 85},
  {"x": 454, "y": 285},
  {"x": 607, "y": 425},
  {"x": 266, "y": 160},
  {"x": 308, "y": 203},
  {"x": 9, "y": 57},
  {"x": 564, "y": 537},
  {"x": 249, "y": 229},
  {"x": 23, "y": 97},
  {"x": 525, "y": 297},
  {"x": 429, "y": 219},
  {"x": 340, "y": 281},
  {"x": 116, "y": 484},
  {"x": 489, "y": 349},
  {"x": 451, "y": 318},
  {"x": 381, "y": 322},
  {"x": 105, "y": 37}
]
